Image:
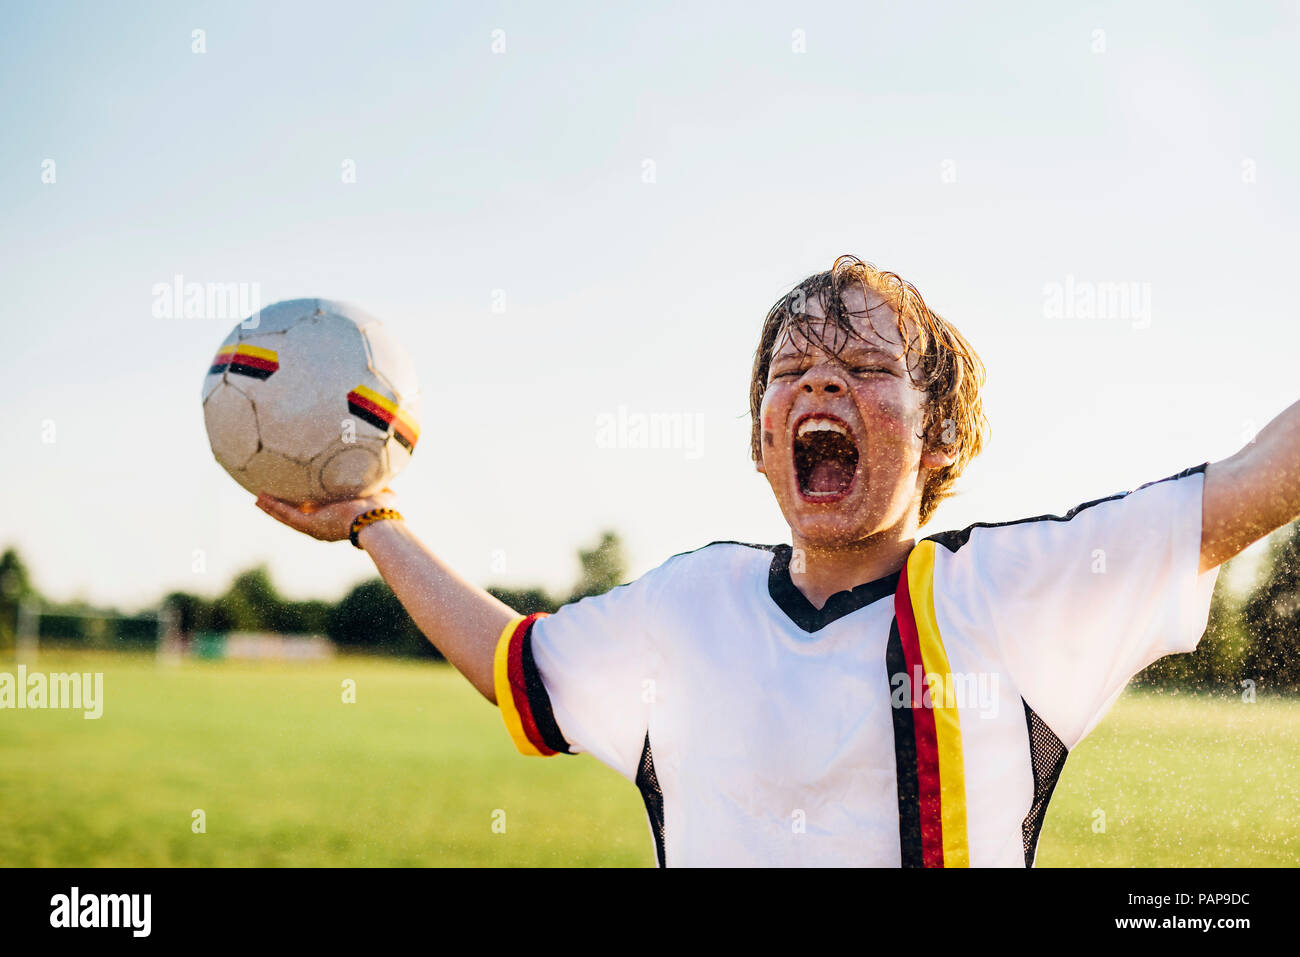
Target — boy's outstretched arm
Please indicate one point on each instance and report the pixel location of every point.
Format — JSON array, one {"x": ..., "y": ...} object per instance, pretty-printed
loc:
[
  {"x": 462, "y": 620},
  {"x": 1253, "y": 492}
]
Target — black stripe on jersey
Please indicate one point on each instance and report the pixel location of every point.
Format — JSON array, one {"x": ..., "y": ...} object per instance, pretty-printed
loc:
[
  {"x": 647, "y": 783},
  {"x": 1047, "y": 754},
  {"x": 538, "y": 700},
  {"x": 801, "y": 611},
  {"x": 956, "y": 539},
  {"x": 909, "y": 786}
]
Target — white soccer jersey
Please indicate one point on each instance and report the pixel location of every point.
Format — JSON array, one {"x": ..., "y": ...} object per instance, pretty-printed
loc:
[{"x": 918, "y": 720}]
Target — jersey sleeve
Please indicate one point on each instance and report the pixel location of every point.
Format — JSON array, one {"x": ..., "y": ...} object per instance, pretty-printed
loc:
[
  {"x": 574, "y": 681},
  {"x": 1076, "y": 605}
]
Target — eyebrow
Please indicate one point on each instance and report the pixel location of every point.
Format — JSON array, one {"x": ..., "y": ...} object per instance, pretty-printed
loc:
[{"x": 852, "y": 348}]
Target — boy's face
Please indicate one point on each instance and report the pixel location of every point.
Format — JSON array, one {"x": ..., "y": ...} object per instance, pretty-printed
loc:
[{"x": 842, "y": 443}]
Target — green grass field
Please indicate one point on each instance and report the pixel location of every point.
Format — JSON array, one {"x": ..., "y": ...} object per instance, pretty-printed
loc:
[{"x": 414, "y": 772}]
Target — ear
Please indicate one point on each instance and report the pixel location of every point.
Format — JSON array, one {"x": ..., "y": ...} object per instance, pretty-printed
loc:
[
  {"x": 940, "y": 446},
  {"x": 937, "y": 458},
  {"x": 764, "y": 434}
]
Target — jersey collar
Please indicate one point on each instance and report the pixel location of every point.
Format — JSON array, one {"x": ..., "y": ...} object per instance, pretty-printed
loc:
[{"x": 801, "y": 611}]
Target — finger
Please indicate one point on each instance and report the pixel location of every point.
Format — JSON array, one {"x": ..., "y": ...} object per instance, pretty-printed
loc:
[
  {"x": 273, "y": 502},
  {"x": 283, "y": 511}
]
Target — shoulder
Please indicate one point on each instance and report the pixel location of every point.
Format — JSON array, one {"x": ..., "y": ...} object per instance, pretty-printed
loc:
[
  {"x": 728, "y": 551},
  {"x": 684, "y": 580},
  {"x": 718, "y": 564},
  {"x": 956, "y": 539},
  {"x": 716, "y": 558}
]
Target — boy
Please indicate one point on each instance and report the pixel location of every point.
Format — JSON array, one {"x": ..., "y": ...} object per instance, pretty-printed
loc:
[{"x": 855, "y": 697}]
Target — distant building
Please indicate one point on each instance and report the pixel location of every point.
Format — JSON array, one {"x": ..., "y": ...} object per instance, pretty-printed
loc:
[{"x": 261, "y": 645}]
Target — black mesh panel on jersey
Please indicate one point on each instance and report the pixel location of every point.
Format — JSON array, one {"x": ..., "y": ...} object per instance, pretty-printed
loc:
[
  {"x": 1047, "y": 754},
  {"x": 648, "y": 784}
]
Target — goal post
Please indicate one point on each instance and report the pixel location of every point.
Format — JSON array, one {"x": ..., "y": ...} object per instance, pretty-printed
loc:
[
  {"x": 170, "y": 643},
  {"x": 98, "y": 630},
  {"x": 26, "y": 631}
]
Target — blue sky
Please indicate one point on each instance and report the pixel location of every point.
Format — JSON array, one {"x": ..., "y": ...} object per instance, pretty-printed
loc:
[{"x": 987, "y": 155}]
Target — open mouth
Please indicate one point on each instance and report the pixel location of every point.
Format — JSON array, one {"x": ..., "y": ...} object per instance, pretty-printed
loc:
[{"x": 825, "y": 458}]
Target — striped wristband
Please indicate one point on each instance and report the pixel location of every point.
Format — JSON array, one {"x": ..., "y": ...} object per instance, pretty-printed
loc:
[{"x": 369, "y": 518}]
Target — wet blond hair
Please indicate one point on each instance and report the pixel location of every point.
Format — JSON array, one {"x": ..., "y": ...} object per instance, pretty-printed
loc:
[{"x": 946, "y": 366}]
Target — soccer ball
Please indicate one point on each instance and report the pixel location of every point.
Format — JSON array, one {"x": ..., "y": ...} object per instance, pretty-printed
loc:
[{"x": 310, "y": 400}]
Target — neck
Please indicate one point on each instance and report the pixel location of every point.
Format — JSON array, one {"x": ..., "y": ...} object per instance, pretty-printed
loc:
[{"x": 820, "y": 571}]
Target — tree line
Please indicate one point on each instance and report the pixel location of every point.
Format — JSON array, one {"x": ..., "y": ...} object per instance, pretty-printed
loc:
[
  {"x": 369, "y": 617},
  {"x": 1251, "y": 640}
]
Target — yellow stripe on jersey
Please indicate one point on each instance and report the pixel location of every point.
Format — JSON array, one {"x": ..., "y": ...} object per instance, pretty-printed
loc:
[
  {"x": 505, "y": 691},
  {"x": 947, "y": 723}
]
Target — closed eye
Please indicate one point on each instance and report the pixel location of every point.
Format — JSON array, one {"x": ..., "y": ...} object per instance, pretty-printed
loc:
[{"x": 859, "y": 370}]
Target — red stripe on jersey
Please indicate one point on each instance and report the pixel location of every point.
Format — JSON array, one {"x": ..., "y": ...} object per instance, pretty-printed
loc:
[
  {"x": 519, "y": 687},
  {"x": 927, "y": 739}
]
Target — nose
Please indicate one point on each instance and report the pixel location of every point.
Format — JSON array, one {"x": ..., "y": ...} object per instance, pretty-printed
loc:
[{"x": 824, "y": 378}]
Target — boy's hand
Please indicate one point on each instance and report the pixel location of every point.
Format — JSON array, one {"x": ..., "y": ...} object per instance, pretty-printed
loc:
[
  {"x": 328, "y": 523},
  {"x": 462, "y": 620}
]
